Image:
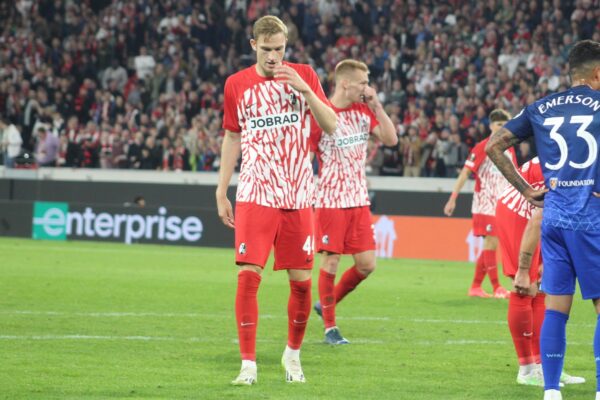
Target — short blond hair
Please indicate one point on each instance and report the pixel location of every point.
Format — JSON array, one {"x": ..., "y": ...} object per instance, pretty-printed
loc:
[
  {"x": 499, "y": 115},
  {"x": 269, "y": 25},
  {"x": 346, "y": 66}
]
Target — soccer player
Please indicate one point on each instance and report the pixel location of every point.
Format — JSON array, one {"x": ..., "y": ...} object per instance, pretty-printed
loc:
[
  {"x": 267, "y": 116},
  {"x": 566, "y": 127},
  {"x": 520, "y": 256},
  {"x": 489, "y": 184},
  {"x": 344, "y": 224},
  {"x": 518, "y": 228}
]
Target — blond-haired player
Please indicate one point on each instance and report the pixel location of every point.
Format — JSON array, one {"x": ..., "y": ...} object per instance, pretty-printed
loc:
[
  {"x": 267, "y": 116},
  {"x": 344, "y": 224}
]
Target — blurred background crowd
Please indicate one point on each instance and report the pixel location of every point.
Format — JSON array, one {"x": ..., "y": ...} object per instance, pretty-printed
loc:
[{"x": 139, "y": 83}]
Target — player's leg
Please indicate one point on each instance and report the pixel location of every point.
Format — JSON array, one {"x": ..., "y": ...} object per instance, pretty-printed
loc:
[
  {"x": 364, "y": 264},
  {"x": 246, "y": 313},
  {"x": 478, "y": 230},
  {"x": 327, "y": 302},
  {"x": 584, "y": 248},
  {"x": 476, "y": 290},
  {"x": 597, "y": 346},
  {"x": 253, "y": 244},
  {"x": 539, "y": 309},
  {"x": 490, "y": 244},
  {"x": 298, "y": 311},
  {"x": 520, "y": 324},
  {"x": 558, "y": 282},
  {"x": 360, "y": 242},
  {"x": 294, "y": 252},
  {"x": 330, "y": 231},
  {"x": 553, "y": 342}
]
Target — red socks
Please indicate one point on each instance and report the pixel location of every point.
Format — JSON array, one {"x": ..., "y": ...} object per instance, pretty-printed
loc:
[
  {"x": 489, "y": 262},
  {"x": 539, "y": 309},
  {"x": 348, "y": 283},
  {"x": 298, "y": 311},
  {"x": 520, "y": 323},
  {"x": 246, "y": 312},
  {"x": 327, "y": 297},
  {"x": 479, "y": 271}
]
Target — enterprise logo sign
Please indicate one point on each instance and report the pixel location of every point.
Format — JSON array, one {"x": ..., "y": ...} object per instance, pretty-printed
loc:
[
  {"x": 54, "y": 221},
  {"x": 50, "y": 221}
]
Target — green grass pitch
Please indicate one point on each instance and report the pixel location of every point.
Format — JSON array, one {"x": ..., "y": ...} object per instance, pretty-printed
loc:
[{"x": 82, "y": 320}]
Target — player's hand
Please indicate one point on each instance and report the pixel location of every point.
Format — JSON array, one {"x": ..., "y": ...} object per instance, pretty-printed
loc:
[
  {"x": 522, "y": 283},
  {"x": 449, "y": 207},
  {"x": 370, "y": 97},
  {"x": 225, "y": 211},
  {"x": 535, "y": 196},
  {"x": 287, "y": 74}
]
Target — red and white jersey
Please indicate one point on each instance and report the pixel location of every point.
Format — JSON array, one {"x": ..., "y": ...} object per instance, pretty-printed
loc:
[
  {"x": 274, "y": 122},
  {"x": 513, "y": 200},
  {"x": 489, "y": 181},
  {"x": 342, "y": 158}
]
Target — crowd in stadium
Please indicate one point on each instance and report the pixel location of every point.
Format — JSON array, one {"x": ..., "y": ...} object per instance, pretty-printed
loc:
[{"x": 139, "y": 83}]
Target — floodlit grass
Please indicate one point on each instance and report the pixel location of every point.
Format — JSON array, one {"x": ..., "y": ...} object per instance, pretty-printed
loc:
[{"x": 82, "y": 320}]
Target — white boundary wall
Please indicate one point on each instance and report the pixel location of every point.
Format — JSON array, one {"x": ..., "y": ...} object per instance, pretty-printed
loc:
[{"x": 211, "y": 178}]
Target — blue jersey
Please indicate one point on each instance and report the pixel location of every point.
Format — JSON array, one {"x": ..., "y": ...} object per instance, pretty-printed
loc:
[{"x": 566, "y": 127}]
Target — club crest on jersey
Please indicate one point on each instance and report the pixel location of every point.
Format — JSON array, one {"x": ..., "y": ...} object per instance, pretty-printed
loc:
[
  {"x": 242, "y": 248},
  {"x": 293, "y": 98},
  {"x": 472, "y": 157},
  {"x": 553, "y": 183},
  {"x": 273, "y": 121},
  {"x": 325, "y": 239}
]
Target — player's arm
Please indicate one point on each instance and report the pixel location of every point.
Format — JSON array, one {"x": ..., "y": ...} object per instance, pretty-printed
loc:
[
  {"x": 230, "y": 152},
  {"x": 323, "y": 114},
  {"x": 498, "y": 143},
  {"x": 458, "y": 185},
  {"x": 529, "y": 242},
  {"x": 385, "y": 131}
]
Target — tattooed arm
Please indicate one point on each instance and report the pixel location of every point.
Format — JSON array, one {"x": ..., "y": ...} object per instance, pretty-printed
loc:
[
  {"x": 498, "y": 143},
  {"x": 529, "y": 242}
]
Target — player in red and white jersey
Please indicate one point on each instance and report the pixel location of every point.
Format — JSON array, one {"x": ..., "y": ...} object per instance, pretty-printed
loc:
[
  {"x": 267, "y": 117},
  {"x": 518, "y": 226},
  {"x": 489, "y": 184},
  {"x": 525, "y": 308},
  {"x": 344, "y": 224}
]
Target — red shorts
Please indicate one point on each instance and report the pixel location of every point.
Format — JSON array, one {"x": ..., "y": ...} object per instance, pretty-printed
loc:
[
  {"x": 344, "y": 230},
  {"x": 509, "y": 229},
  {"x": 258, "y": 229},
  {"x": 484, "y": 225}
]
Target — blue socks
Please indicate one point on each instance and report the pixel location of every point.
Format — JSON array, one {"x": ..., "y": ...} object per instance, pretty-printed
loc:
[
  {"x": 553, "y": 342},
  {"x": 597, "y": 353}
]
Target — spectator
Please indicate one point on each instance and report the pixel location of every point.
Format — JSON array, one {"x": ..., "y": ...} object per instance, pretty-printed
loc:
[
  {"x": 46, "y": 149},
  {"x": 410, "y": 147},
  {"x": 11, "y": 142},
  {"x": 90, "y": 60}
]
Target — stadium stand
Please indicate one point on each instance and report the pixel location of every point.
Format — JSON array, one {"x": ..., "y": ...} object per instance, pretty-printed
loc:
[{"x": 138, "y": 83}]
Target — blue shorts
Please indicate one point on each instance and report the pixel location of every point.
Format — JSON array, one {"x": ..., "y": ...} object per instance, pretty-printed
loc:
[{"x": 567, "y": 255}]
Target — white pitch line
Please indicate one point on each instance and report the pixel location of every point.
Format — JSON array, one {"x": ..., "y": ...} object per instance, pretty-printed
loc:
[
  {"x": 125, "y": 249},
  {"x": 117, "y": 314},
  {"x": 76, "y": 337},
  {"x": 162, "y": 315}
]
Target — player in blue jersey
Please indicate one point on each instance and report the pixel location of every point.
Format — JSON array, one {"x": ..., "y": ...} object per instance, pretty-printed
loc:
[{"x": 566, "y": 127}]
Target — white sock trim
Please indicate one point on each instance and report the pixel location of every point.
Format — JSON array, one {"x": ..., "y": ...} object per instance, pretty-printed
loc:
[{"x": 248, "y": 363}]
